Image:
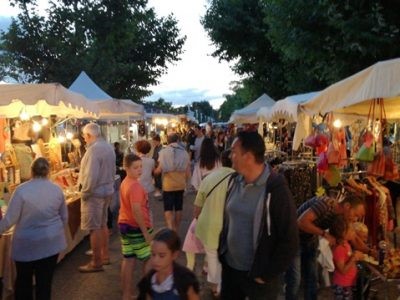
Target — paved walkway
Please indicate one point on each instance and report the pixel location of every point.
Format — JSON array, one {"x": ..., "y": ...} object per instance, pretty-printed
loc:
[{"x": 72, "y": 285}]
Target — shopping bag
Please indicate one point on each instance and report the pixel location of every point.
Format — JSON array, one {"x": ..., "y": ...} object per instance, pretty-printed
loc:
[
  {"x": 377, "y": 167},
  {"x": 191, "y": 243},
  {"x": 366, "y": 153}
]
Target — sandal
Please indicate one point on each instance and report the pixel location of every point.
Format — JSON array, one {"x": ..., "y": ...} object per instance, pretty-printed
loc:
[{"x": 90, "y": 268}]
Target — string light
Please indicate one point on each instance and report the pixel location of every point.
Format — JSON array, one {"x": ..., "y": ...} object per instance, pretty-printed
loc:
[
  {"x": 69, "y": 135},
  {"x": 36, "y": 127},
  {"x": 24, "y": 116}
]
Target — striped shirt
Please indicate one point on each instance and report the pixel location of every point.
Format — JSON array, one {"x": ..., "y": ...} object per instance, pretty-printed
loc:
[{"x": 324, "y": 210}]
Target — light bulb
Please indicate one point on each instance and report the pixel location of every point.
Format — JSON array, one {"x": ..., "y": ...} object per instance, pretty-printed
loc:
[
  {"x": 24, "y": 116},
  {"x": 36, "y": 127},
  {"x": 337, "y": 123},
  {"x": 45, "y": 122},
  {"x": 61, "y": 139}
]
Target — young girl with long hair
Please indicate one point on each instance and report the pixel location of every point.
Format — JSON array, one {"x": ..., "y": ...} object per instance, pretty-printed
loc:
[
  {"x": 167, "y": 279},
  {"x": 344, "y": 258}
]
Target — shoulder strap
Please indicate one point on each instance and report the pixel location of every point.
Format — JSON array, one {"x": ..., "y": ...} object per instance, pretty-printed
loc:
[{"x": 219, "y": 182}]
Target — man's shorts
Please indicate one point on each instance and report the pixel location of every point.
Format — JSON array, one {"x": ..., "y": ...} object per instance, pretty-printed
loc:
[
  {"x": 94, "y": 212},
  {"x": 173, "y": 200},
  {"x": 133, "y": 243}
]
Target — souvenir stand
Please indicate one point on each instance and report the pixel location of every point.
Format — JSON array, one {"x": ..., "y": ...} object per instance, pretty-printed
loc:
[
  {"x": 32, "y": 124},
  {"x": 299, "y": 170},
  {"x": 369, "y": 101}
]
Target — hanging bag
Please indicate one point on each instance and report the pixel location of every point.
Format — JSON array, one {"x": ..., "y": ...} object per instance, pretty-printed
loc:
[
  {"x": 367, "y": 150},
  {"x": 377, "y": 167}
]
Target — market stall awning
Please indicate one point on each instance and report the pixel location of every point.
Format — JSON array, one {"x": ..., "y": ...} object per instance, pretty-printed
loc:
[
  {"x": 110, "y": 108},
  {"x": 248, "y": 114},
  {"x": 161, "y": 118},
  {"x": 353, "y": 94},
  {"x": 286, "y": 108},
  {"x": 44, "y": 99}
]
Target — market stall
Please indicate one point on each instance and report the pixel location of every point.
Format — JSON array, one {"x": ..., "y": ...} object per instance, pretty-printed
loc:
[
  {"x": 372, "y": 98},
  {"x": 248, "y": 114},
  {"x": 32, "y": 124},
  {"x": 119, "y": 118}
]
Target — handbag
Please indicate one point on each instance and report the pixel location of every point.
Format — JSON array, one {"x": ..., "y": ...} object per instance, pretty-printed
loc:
[
  {"x": 332, "y": 176},
  {"x": 333, "y": 154},
  {"x": 367, "y": 150},
  {"x": 377, "y": 167},
  {"x": 365, "y": 153}
]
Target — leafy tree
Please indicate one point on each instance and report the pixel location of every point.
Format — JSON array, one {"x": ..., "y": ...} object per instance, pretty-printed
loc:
[
  {"x": 243, "y": 94},
  {"x": 204, "y": 109},
  {"x": 239, "y": 32},
  {"x": 122, "y": 44},
  {"x": 160, "y": 105},
  {"x": 323, "y": 41}
]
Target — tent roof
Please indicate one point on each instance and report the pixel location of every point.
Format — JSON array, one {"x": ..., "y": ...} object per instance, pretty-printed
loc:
[
  {"x": 286, "y": 108},
  {"x": 84, "y": 85},
  {"x": 44, "y": 99},
  {"x": 110, "y": 108},
  {"x": 248, "y": 114},
  {"x": 353, "y": 94}
]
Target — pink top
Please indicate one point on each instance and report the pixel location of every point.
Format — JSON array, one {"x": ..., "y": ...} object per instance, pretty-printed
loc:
[{"x": 343, "y": 253}]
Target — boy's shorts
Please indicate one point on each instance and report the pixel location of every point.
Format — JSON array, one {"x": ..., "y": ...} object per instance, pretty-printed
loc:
[{"x": 133, "y": 243}]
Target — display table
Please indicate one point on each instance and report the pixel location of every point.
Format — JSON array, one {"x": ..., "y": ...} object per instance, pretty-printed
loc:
[{"x": 73, "y": 233}]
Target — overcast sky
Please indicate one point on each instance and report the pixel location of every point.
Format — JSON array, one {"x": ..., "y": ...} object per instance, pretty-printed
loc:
[{"x": 197, "y": 76}]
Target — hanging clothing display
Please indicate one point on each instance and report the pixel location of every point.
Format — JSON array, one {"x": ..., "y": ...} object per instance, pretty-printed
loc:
[{"x": 302, "y": 179}]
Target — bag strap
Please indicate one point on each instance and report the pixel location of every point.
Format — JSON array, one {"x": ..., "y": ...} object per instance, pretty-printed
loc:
[{"x": 219, "y": 182}]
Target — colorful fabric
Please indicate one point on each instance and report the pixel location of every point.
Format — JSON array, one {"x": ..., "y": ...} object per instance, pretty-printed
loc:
[{"x": 133, "y": 243}]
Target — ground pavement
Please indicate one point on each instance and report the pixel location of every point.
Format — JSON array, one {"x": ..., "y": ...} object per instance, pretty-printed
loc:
[{"x": 69, "y": 284}]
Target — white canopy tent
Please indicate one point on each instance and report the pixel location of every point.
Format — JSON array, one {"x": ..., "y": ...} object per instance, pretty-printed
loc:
[
  {"x": 352, "y": 95},
  {"x": 286, "y": 108},
  {"x": 110, "y": 108},
  {"x": 44, "y": 99},
  {"x": 350, "y": 98},
  {"x": 248, "y": 114}
]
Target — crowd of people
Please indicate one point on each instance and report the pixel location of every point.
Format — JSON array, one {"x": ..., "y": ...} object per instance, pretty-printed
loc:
[{"x": 244, "y": 220}]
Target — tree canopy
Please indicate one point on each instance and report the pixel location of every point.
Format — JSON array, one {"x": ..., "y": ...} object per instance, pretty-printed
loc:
[
  {"x": 287, "y": 47},
  {"x": 122, "y": 44}
]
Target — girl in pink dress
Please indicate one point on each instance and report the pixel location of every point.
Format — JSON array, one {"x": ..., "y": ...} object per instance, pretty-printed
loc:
[{"x": 344, "y": 258}]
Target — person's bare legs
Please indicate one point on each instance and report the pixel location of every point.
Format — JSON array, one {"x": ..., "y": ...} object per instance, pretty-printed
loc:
[
  {"x": 178, "y": 219},
  {"x": 96, "y": 242},
  {"x": 127, "y": 278},
  {"x": 169, "y": 219},
  {"x": 105, "y": 255}
]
